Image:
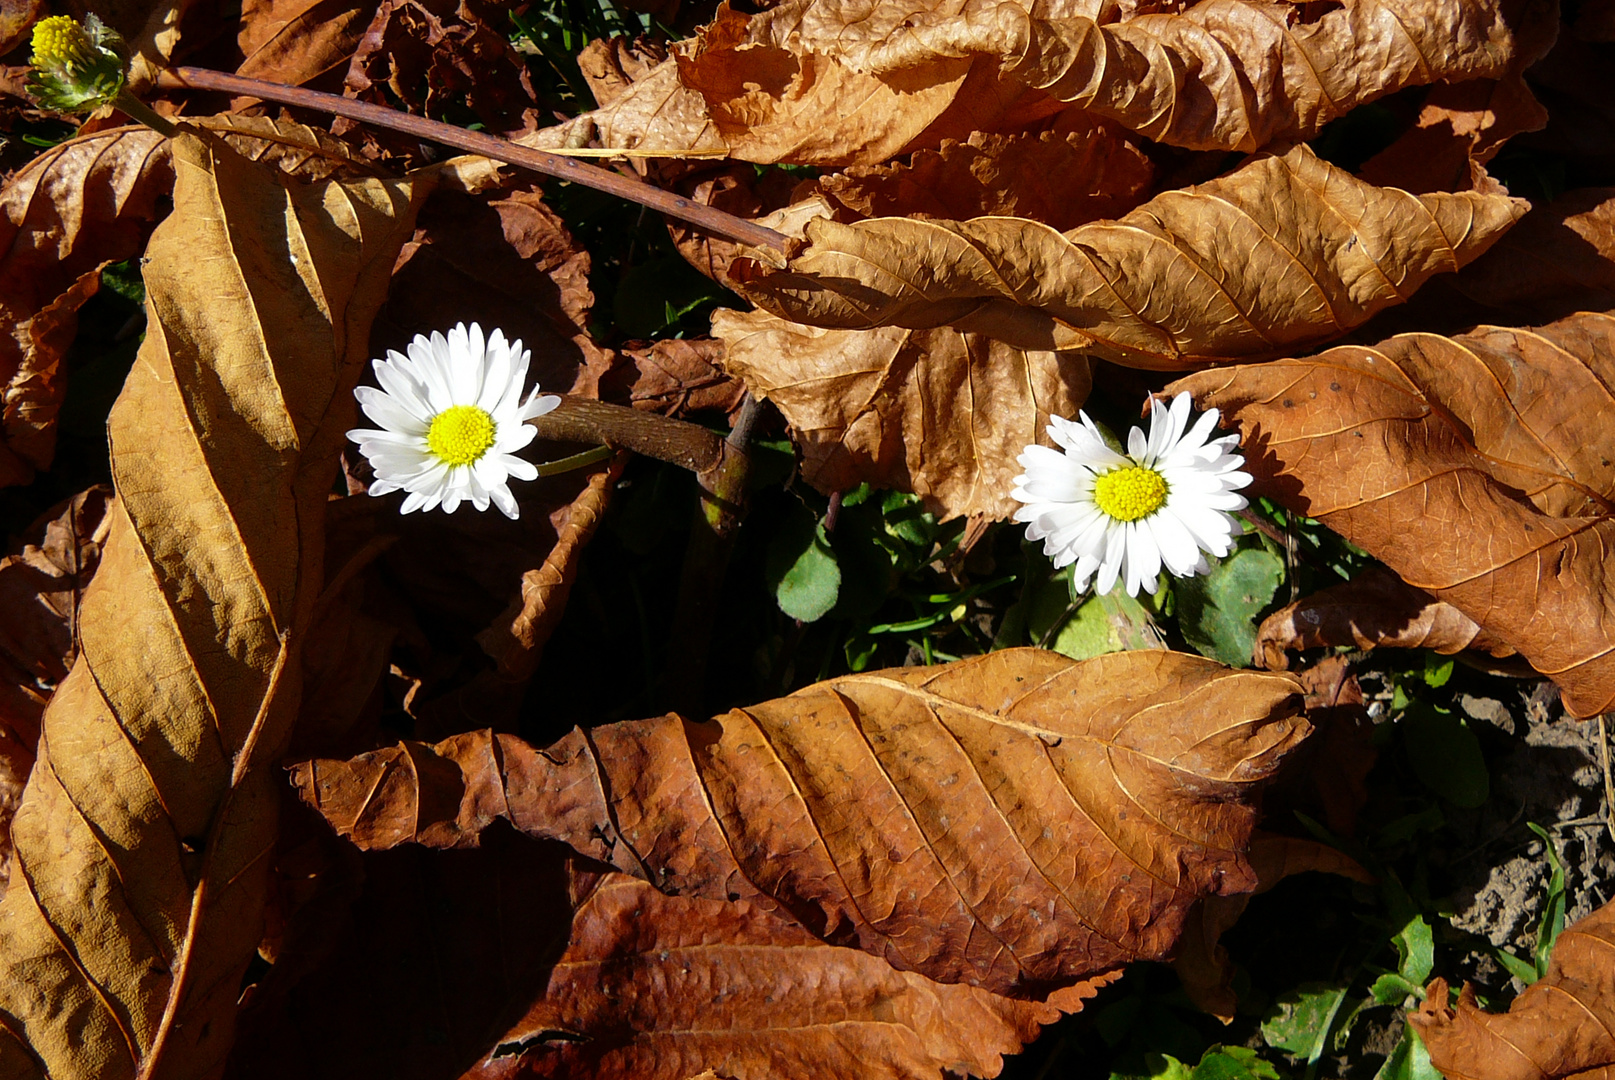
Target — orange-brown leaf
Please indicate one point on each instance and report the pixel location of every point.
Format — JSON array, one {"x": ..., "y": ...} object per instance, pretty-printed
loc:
[
  {"x": 1480, "y": 468},
  {"x": 656, "y": 987},
  {"x": 1376, "y": 609},
  {"x": 1561, "y": 1026},
  {"x": 940, "y": 413},
  {"x": 1283, "y": 252},
  {"x": 1016, "y": 821},
  {"x": 298, "y": 41}
]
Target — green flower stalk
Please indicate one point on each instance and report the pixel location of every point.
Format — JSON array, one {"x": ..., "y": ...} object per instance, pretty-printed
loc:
[{"x": 82, "y": 68}]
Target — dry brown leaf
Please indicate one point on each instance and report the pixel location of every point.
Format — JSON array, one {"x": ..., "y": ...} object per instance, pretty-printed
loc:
[
  {"x": 1327, "y": 778},
  {"x": 296, "y": 149},
  {"x": 654, "y": 987},
  {"x": 1202, "y": 963},
  {"x": 1223, "y": 74},
  {"x": 1284, "y": 251},
  {"x": 144, "y": 831},
  {"x": 657, "y": 114},
  {"x": 1561, "y": 1026},
  {"x": 1375, "y": 609},
  {"x": 1000, "y": 821},
  {"x": 433, "y": 54},
  {"x": 674, "y": 378},
  {"x": 17, "y": 17},
  {"x": 516, "y": 638},
  {"x": 1063, "y": 178},
  {"x": 940, "y": 413},
  {"x": 1480, "y": 468},
  {"x": 1460, "y": 128},
  {"x": 506, "y": 260},
  {"x": 40, "y": 590},
  {"x": 296, "y": 42},
  {"x": 67, "y": 213}
]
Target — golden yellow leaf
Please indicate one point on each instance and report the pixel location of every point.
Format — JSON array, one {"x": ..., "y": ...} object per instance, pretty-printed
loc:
[{"x": 142, "y": 841}]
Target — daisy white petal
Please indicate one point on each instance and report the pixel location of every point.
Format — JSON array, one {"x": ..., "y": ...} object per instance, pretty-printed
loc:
[
  {"x": 1167, "y": 502},
  {"x": 450, "y": 412}
]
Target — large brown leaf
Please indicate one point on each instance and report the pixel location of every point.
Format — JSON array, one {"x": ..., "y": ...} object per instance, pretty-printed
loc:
[
  {"x": 1480, "y": 468},
  {"x": 1223, "y": 74},
  {"x": 657, "y": 987},
  {"x": 1561, "y": 1026},
  {"x": 1284, "y": 251},
  {"x": 1016, "y": 821},
  {"x": 940, "y": 413},
  {"x": 143, "y": 836},
  {"x": 63, "y": 216}
]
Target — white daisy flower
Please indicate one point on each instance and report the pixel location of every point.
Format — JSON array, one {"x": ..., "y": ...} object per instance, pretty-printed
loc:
[
  {"x": 1168, "y": 501},
  {"x": 452, "y": 417}
]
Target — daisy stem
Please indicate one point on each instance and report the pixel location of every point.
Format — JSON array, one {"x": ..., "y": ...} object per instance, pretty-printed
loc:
[
  {"x": 576, "y": 461},
  {"x": 136, "y": 109},
  {"x": 475, "y": 142}
]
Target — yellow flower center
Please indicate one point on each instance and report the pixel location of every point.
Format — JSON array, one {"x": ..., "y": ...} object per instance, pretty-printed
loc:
[
  {"x": 61, "y": 42},
  {"x": 460, "y": 434},
  {"x": 1131, "y": 493}
]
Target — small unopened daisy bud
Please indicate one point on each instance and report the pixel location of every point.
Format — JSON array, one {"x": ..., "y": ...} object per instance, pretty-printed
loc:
[
  {"x": 1168, "y": 501},
  {"x": 76, "y": 68}
]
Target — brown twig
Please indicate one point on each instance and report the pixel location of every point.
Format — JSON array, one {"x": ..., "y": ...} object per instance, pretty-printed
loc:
[
  {"x": 677, "y": 442},
  {"x": 475, "y": 142}
]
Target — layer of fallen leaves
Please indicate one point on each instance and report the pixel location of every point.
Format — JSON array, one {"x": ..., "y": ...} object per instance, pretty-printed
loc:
[
  {"x": 1478, "y": 467},
  {"x": 1560, "y": 1026}
]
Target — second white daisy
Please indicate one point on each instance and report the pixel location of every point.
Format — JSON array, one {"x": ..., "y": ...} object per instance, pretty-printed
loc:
[
  {"x": 452, "y": 417},
  {"x": 1167, "y": 502}
]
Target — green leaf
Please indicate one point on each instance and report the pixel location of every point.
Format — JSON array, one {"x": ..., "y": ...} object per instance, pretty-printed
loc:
[
  {"x": 1392, "y": 989},
  {"x": 1233, "y": 1063},
  {"x": 1445, "y": 754},
  {"x": 1553, "y": 906},
  {"x": 1158, "y": 1067},
  {"x": 1409, "y": 1061},
  {"x": 1111, "y": 623},
  {"x": 802, "y": 570},
  {"x": 1299, "y": 1018},
  {"x": 1437, "y": 669},
  {"x": 1520, "y": 969},
  {"x": 1415, "y": 944},
  {"x": 654, "y": 295},
  {"x": 1217, "y": 611}
]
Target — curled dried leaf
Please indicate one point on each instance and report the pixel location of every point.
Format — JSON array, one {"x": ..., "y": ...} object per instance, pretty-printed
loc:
[
  {"x": 1222, "y": 74},
  {"x": 1480, "y": 468},
  {"x": 1376, "y": 609},
  {"x": 1000, "y": 821},
  {"x": 937, "y": 412},
  {"x": 63, "y": 216},
  {"x": 1284, "y": 251},
  {"x": 1560, "y": 1026}
]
